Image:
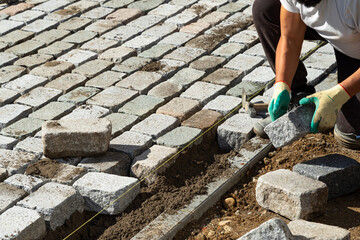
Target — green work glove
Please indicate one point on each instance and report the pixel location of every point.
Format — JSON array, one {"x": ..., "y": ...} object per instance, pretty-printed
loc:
[
  {"x": 280, "y": 101},
  {"x": 328, "y": 104}
]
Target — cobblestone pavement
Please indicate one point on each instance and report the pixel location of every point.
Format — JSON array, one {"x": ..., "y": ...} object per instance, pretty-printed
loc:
[{"x": 160, "y": 71}]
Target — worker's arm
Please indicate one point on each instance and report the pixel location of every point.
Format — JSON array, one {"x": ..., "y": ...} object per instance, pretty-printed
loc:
[{"x": 286, "y": 61}]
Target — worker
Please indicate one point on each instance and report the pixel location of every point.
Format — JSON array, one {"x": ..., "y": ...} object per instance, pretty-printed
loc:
[{"x": 282, "y": 26}]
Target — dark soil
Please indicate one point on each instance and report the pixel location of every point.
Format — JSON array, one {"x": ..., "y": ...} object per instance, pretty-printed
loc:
[
  {"x": 153, "y": 67},
  {"x": 46, "y": 168},
  {"x": 231, "y": 221}
]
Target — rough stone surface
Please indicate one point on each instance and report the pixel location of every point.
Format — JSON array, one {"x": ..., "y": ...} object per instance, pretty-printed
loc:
[
  {"x": 25, "y": 83},
  {"x": 156, "y": 125},
  {"x": 203, "y": 92},
  {"x": 132, "y": 143},
  {"x": 291, "y": 194},
  {"x": 224, "y": 76},
  {"x": 144, "y": 165},
  {"x": 99, "y": 45},
  {"x": 78, "y": 56},
  {"x": 80, "y": 37},
  {"x": 185, "y": 54},
  {"x": 53, "y": 111},
  {"x": 250, "y": 88},
  {"x": 33, "y": 61},
  {"x": 7, "y": 143},
  {"x": 74, "y": 24},
  {"x": 122, "y": 33},
  {"x": 166, "y": 90},
  {"x": 261, "y": 75},
  {"x": 87, "y": 112},
  {"x": 101, "y": 189},
  {"x": 93, "y": 68},
  {"x": 23, "y": 128},
  {"x": 203, "y": 119},
  {"x": 272, "y": 229},
  {"x": 79, "y": 95},
  {"x": 8, "y": 26},
  {"x": 32, "y": 145},
  {"x": 182, "y": 18},
  {"x": 101, "y": 26},
  {"x": 67, "y": 82},
  {"x": 147, "y": 21},
  {"x": 235, "y": 131},
  {"x": 29, "y": 224},
  {"x": 338, "y": 172},
  {"x": 224, "y": 104},
  {"x": 28, "y": 183},
  {"x": 142, "y": 106},
  {"x": 6, "y": 58},
  {"x": 9, "y": 73},
  {"x": 181, "y": 108},
  {"x": 291, "y": 126},
  {"x": 140, "y": 81},
  {"x": 112, "y": 162},
  {"x": 74, "y": 138},
  {"x": 117, "y": 54},
  {"x": 131, "y": 65},
  {"x": 57, "y": 48},
  {"x": 186, "y": 77},
  {"x": 244, "y": 63},
  {"x": 195, "y": 28},
  {"x": 106, "y": 79},
  {"x": 229, "y": 50},
  {"x": 52, "y": 69},
  {"x": 16, "y": 37},
  {"x": 177, "y": 38},
  {"x": 9, "y": 195},
  {"x": 56, "y": 202},
  {"x": 11, "y": 113},
  {"x": 39, "y": 26},
  {"x": 161, "y": 30},
  {"x": 121, "y": 122},
  {"x": 321, "y": 61},
  {"x": 38, "y": 97},
  {"x": 180, "y": 137},
  {"x": 124, "y": 15},
  {"x": 302, "y": 229}
]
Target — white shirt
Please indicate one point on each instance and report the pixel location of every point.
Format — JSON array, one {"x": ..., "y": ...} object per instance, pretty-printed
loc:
[{"x": 338, "y": 21}]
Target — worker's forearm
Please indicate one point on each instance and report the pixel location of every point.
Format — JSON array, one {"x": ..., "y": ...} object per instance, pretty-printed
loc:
[
  {"x": 352, "y": 83},
  {"x": 287, "y": 59}
]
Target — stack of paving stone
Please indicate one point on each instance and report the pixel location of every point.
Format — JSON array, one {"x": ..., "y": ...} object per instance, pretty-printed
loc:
[
  {"x": 302, "y": 194},
  {"x": 162, "y": 72}
]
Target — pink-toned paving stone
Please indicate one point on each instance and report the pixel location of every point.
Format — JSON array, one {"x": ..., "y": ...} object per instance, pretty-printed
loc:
[
  {"x": 52, "y": 69},
  {"x": 14, "y": 9},
  {"x": 195, "y": 28},
  {"x": 124, "y": 15},
  {"x": 181, "y": 108}
]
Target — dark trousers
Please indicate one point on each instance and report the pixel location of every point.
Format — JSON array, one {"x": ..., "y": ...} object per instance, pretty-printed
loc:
[{"x": 266, "y": 15}]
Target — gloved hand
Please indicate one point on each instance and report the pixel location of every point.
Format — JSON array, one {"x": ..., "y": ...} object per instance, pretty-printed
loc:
[
  {"x": 280, "y": 101},
  {"x": 328, "y": 104}
]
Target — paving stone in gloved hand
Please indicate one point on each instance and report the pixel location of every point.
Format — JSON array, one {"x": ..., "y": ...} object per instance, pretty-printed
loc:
[
  {"x": 280, "y": 101},
  {"x": 328, "y": 104}
]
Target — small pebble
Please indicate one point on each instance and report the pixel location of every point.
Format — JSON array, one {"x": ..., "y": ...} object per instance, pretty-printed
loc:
[
  {"x": 229, "y": 203},
  {"x": 223, "y": 223},
  {"x": 227, "y": 229}
]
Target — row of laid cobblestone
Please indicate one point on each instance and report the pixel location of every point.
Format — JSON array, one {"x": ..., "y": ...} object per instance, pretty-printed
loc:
[{"x": 162, "y": 72}]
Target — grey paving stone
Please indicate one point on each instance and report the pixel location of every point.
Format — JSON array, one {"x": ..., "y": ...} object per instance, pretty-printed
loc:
[
  {"x": 141, "y": 43},
  {"x": 97, "y": 13},
  {"x": 180, "y": 137},
  {"x": 121, "y": 122},
  {"x": 27, "y": 183},
  {"x": 142, "y": 106},
  {"x": 51, "y": 36},
  {"x": 7, "y": 26},
  {"x": 25, "y": 83},
  {"x": 164, "y": 67},
  {"x": 78, "y": 57},
  {"x": 338, "y": 172},
  {"x": 53, "y": 111},
  {"x": 256, "y": 50},
  {"x": 124, "y": 15},
  {"x": 14, "y": 161},
  {"x": 116, "y": 163},
  {"x": 314, "y": 76},
  {"x": 51, "y": 5},
  {"x": 249, "y": 87},
  {"x": 291, "y": 126},
  {"x": 116, "y": 4},
  {"x": 321, "y": 61},
  {"x": 140, "y": 81},
  {"x": 235, "y": 131},
  {"x": 7, "y": 143},
  {"x": 31, "y": 145},
  {"x": 166, "y": 90},
  {"x": 233, "y": 7},
  {"x": 260, "y": 75},
  {"x": 56, "y": 202},
  {"x": 183, "y": 18},
  {"x": 57, "y": 48},
  {"x": 145, "y": 5},
  {"x": 83, "y": 6},
  {"x": 229, "y": 50},
  {"x": 101, "y": 189},
  {"x": 131, "y": 65},
  {"x": 161, "y": 30},
  {"x": 7, "y": 96},
  {"x": 10, "y": 113},
  {"x": 122, "y": 33},
  {"x": 202, "y": 8},
  {"x": 224, "y": 104},
  {"x": 217, "y": 3},
  {"x": 185, "y": 3},
  {"x": 214, "y": 17},
  {"x": 80, "y": 37},
  {"x": 291, "y": 194},
  {"x": 158, "y": 51},
  {"x": 244, "y": 63},
  {"x": 166, "y": 10},
  {"x": 146, "y": 21},
  {"x": 15, "y": 37},
  {"x": 67, "y": 82},
  {"x": 28, "y": 16},
  {"x": 93, "y": 68},
  {"x": 105, "y": 80},
  {"x": 307, "y": 47},
  {"x": 224, "y": 76},
  {"x": 132, "y": 143},
  {"x": 87, "y": 111},
  {"x": 52, "y": 69},
  {"x": 203, "y": 92},
  {"x": 9, "y": 195},
  {"x": 112, "y": 98},
  {"x": 207, "y": 42},
  {"x": 29, "y": 224},
  {"x": 144, "y": 165},
  {"x": 207, "y": 63},
  {"x": 7, "y": 58},
  {"x": 328, "y": 82},
  {"x": 247, "y": 37},
  {"x": 74, "y": 138},
  {"x": 185, "y": 54},
  {"x": 99, "y": 45},
  {"x": 186, "y": 77},
  {"x": 117, "y": 54},
  {"x": 62, "y": 15},
  {"x": 3, "y": 174},
  {"x": 274, "y": 228},
  {"x": 156, "y": 125},
  {"x": 3, "y": 16},
  {"x": 79, "y": 95},
  {"x": 327, "y": 49},
  {"x": 39, "y": 26},
  {"x": 74, "y": 24},
  {"x": 181, "y": 108},
  {"x": 3, "y": 46},
  {"x": 33, "y": 60},
  {"x": 312, "y": 230},
  {"x": 102, "y": 26},
  {"x": 177, "y": 38},
  {"x": 9, "y": 73}
]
